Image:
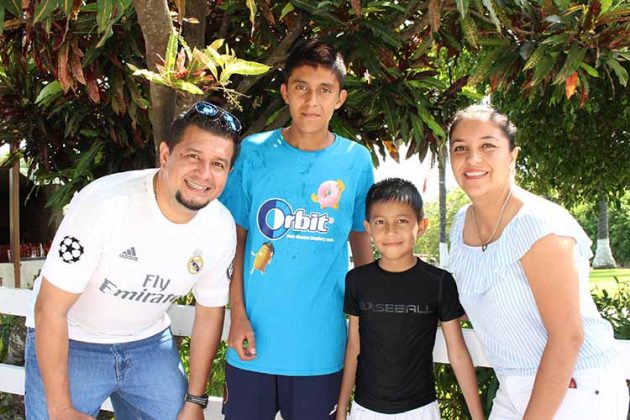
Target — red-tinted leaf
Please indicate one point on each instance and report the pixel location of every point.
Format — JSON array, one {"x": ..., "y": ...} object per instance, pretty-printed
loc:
[
  {"x": 264, "y": 7},
  {"x": 494, "y": 81},
  {"x": 571, "y": 84},
  {"x": 74, "y": 45},
  {"x": 455, "y": 87},
  {"x": 583, "y": 97},
  {"x": 412, "y": 150},
  {"x": 92, "y": 86},
  {"x": 75, "y": 61},
  {"x": 356, "y": 7},
  {"x": 386, "y": 57},
  {"x": 63, "y": 75},
  {"x": 392, "y": 150},
  {"x": 435, "y": 14},
  {"x": 77, "y": 70},
  {"x": 180, "y": 63}
]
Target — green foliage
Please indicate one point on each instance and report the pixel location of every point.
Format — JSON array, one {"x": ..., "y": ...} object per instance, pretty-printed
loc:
[
  {"x": 450, "y": 397},
  {"x": 616, "y": 309},
  {"x": 572, "y": 152},
  {"x": 216, "y": 382},
  {"x": 410, "y": 63},
  {"x": 7, "y": 323},
  {"x": 185, "y": 71},
  {"x": 586, "y": 214},
  {"x": 429, "y": 243},
  {"x": 69, "y": 104}
]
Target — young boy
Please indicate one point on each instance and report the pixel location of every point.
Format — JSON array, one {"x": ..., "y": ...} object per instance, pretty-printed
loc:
[
  {"x": 298, "y": 196},
  {"x": 394, "y": 305}
]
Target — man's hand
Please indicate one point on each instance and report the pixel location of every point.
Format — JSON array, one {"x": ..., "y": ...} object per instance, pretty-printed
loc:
[
  {"x": 241, "y": 338},
  {"x": 191, "y": 411},
  {"x": 69, "y": 413}
]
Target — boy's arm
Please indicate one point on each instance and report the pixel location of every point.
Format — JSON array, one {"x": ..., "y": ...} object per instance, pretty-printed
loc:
[
  {"x": 205, "y": 338},
  {"x": 240, "y": 327},
  {"x": 460, "y": 360},
  {"x": 361, "y": 246},
  {"x": 353, "y": 348}
]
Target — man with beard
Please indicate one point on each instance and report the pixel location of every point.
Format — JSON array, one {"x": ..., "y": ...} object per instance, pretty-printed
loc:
[{"x": 130, "y": 245}]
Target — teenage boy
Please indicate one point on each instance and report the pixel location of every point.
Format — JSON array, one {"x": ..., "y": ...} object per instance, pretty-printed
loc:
[
  {"x": 298, "y": 196},
  {"x": 394, "y": 305},
  {"x": 130, "y": 245}
]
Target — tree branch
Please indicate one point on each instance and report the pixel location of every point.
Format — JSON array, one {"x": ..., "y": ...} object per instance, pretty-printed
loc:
[
  {"x": 195, "y": 36},
  {"x": 261, "y": 121},
  {"x": 225, "y": 25}
]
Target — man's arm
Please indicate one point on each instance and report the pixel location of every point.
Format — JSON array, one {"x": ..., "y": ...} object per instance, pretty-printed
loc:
[
  {"x": 353, "y": 347},
  {"x": 205, "y": 338},
  {"x": 361, "y": 246},
  {"x": 240, "y": 327},
  {"x": 459, "y": 358},
  {"x": 51, "y": 345}
]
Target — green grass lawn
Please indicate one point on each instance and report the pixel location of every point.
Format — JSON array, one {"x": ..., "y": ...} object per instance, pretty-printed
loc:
[{"x": 605, "y": 279}]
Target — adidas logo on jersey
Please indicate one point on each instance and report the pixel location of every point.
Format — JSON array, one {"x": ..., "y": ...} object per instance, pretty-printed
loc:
[{"x": 129, "y": 254}]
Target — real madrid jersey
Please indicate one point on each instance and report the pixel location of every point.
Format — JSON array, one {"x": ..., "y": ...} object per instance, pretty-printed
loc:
[
  {"x": 298, "y": 208},
  {"x": 130, "y": 263}
]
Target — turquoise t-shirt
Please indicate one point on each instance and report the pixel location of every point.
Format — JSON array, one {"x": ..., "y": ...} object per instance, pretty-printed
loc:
[{"x": 298, "y": 208}]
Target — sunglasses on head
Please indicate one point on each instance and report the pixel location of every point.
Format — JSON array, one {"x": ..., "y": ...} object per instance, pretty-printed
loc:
[{"x": 216, "y": 113}]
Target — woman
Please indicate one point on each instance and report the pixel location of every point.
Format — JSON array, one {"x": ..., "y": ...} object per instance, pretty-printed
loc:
[{"x": 522, "y": 267}]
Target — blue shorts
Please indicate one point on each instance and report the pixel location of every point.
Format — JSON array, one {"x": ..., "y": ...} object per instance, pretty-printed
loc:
[
  {"x": 145, "y": 379},
  {"x": 252, "y": 395}
]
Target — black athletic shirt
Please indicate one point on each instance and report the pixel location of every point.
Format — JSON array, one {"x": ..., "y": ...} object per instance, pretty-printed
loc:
[{"x": 398, "y": 315}]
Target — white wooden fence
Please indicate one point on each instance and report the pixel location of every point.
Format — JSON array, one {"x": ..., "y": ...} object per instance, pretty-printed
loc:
[{"x": 18, "y": 301}]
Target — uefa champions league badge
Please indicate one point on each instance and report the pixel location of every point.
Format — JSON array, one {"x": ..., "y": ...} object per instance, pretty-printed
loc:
[
  {"x": 195, "y": 263},
  {"x": 70, "y": 249}
]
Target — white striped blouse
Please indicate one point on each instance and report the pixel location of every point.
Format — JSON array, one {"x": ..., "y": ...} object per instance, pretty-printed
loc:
[{"x": 499, "y": 302}]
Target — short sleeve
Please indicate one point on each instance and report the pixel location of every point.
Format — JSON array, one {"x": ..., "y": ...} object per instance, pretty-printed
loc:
[
  {"x": 537, "y": 222},
  {"x": 77, "y": 247},
  {"x": 213, "y": 288},
  {"x": 350, "y": 304},
  {"x": 449, "y": 307},
  {"x": 236, "y": 196},
  {"x": 366, "y": 180}
]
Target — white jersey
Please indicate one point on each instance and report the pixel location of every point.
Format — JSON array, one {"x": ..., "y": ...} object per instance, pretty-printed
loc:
[{"x": 129, "y": 262}]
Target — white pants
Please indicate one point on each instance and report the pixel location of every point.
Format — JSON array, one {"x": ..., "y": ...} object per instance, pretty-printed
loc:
[
  {"x": 426, "y": 412},
  {"x": 601, "y": 394}
]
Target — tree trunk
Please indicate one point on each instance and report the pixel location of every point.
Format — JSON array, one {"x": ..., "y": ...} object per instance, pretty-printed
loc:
[
  {"x": 195, "y": 36},
  {"x": 603, "y": 253},
  {"x": 442, "y": 195},
  {"x": 155, "y": 21}
]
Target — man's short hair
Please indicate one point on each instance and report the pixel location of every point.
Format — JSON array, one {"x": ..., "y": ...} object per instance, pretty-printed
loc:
[
  {"x": 315, "y": 53},
  {"x": 210, "y": 124},
  {"x": 395, "y": 190}
]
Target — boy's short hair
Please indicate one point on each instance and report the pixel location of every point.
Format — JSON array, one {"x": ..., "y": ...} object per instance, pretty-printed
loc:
[
  {"x": 315, "y": 53},
  {"x": 394, "y": 190}
]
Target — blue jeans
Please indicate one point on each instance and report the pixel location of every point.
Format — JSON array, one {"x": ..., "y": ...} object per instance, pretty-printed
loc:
[{"x": 144, "y": 379}]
